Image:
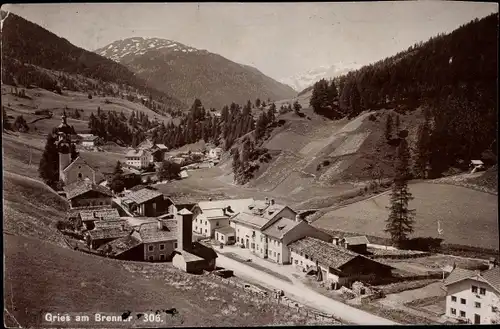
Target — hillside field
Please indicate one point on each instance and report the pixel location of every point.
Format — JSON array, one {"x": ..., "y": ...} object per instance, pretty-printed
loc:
[
  {"x": 63, "y": 280},
  {"x": 468, "y": 217}
]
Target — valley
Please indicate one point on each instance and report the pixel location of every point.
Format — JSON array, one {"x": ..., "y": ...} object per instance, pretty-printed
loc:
[{"x": 148, "y": 175}]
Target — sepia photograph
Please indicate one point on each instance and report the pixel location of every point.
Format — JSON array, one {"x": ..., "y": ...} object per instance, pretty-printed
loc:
[{"x": 238, "y": 164}]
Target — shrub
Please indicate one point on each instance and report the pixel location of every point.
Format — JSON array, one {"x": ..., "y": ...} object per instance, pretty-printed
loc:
[
  {"x": 422, "y": 244},
  {"x": 326, "y": 163},
  {"x": 372, "y": 117},
  {"x": 90, "y": 96}
]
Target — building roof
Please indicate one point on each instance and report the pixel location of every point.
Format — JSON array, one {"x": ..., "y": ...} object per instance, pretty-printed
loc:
[
  {"x": 89, "y": 138},
  {"x": 188, "y": 257},
  {"x": 232, "y": 206},
  {"x": 162, "y": 146},
  {"x": 97, "y": 214},
  {"x": 259, "y": 213},
  {"x": 281, "y": 227},
  {"x": 143, "y": 195},
  {"x": 135, "y": 153},
  {"x": 225, "y": 230},
  {"x": 111, "y": 232},
  {"x": 123, "y": 244},
  {"x": 356, "y": 240},
  {"x": 184, "y": 211},
  {"x": 477, "y": 162},
  {"x": 140, "y": 187},
  {"x": 251, "y": 220},
  {"x": 492, "y": 276},
  {"x": 325, "y": 253},
  {"x": 187, "y": 199},
  {"x": 203, "y": 251},
  {"x": 150, "y": 232},
  {"x": 83, "y": 187},
  {"x": 80, "y": 160},
  {"x": 112, "y": 223}
]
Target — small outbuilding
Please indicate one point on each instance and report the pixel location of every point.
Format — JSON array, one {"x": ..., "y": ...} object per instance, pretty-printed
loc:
[{"x": 225, "y": 235}]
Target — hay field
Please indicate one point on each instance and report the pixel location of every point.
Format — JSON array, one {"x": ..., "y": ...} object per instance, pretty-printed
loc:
[{"x": 468, "y": 217}]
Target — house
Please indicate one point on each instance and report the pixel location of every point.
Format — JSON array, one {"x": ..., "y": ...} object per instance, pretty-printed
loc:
[
  {"x": 138, "y": 158},
  {"x": 150, "y": 241},
  {"x": 250, "y": 223},
  {"x": 335, "y": 264},
  {"x": 225, "y": 235},
  {"x": 476, "y": 165},
  {"x": 87, "y": 194},
  {"x": 86, "y": 218},
  {"x": 145, "y": 145},
  {"x": 180, "y": 201},
  {"x": 215, "y": 153},
  {"x": 191, "y": 257},
  {"x": 101, "y": 235},
  {"x": 145, "y": 202},
  {"x": 355, "y": 243},
  {"x": 184, "y": 174},
  {"x": 158, "y": 152},
  {"x": 89, "y": 140},
  {"x": 474, "y": 296},
  {"x": 284, "y": 231},
  {"x": 210, "y": 215}
]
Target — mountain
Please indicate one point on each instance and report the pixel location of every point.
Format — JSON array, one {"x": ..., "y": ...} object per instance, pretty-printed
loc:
[
  {"x": 189, "y": 73},
  {"x": 301, "y": 81},
  {"x": 32, "y": 55}
]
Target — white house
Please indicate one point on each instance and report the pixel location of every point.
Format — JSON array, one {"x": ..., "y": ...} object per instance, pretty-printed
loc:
[
  {"x": 210, "y": 215},
  {"x": 251, "y": 223},
  {"x": 138, "y": 158},
  {"x": 476, "y": 165},
  {"x": 474, "y": 296},
  {"x": 89, "y": 140}
]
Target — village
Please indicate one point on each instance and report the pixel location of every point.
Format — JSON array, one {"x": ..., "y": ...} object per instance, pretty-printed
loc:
[{"x": 263, "y": 241}]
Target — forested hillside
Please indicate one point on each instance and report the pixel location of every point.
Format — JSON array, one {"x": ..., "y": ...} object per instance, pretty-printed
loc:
[
  {"x": 454, "y": 76},
  {"x": 31, "y": 54}
]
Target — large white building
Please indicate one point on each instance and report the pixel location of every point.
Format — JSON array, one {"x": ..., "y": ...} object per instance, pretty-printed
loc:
[
  {"x": 138, "y": 158},
  {"x": 211, "y": 215},
  {"x": 474, "y": 296}
]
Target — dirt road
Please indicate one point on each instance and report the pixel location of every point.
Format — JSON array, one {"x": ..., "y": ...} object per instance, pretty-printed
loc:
[{"x": 303, "y": 294}]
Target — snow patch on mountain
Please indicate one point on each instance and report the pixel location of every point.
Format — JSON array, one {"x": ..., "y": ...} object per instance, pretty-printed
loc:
[
  {"x": 301, "y": 81},
  {"x": 139, "y": 46}
]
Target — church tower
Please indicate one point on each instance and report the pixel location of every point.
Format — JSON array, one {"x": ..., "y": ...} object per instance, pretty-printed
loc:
[{"x": 64, "y": 145}]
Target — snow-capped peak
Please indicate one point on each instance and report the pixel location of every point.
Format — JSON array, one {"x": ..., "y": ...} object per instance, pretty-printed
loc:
[
  {"x": 136, "y": 46},
  {"x": 301, "y": 81}
]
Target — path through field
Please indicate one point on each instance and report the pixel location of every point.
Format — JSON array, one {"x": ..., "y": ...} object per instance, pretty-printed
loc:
[{"x": 303, "y": 294}]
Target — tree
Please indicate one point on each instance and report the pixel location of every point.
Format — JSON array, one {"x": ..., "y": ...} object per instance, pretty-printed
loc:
[
  {"x": 257, "y": 103},
  {"x": 77, "y": 114},
  {"x": 90, "y": 96},
  {"x": 297, "y": 107},
  {"x": 401, "y": 219},
  {"x": 261, "y": 126},
  {"x": 388, "y": 127},
  {"x": 236, "y": 165},
  {"x": 49, "y": 163},
  {"x": 20, "y": 124},
  {"x": 5, "y": 119},
  {"x": 169, "y": 170},
  {"x": 117, "y": 184},
  {"x": 422, "y": 154},
  {"x": 397, "y": 124}
]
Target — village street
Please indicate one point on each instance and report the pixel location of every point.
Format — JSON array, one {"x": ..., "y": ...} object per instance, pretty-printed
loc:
[{"x": 301, "y": 293}]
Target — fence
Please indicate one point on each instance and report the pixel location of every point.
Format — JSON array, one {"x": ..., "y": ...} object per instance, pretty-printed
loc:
[
  {"x": 401, "y": 256},
  {"x": 273, "y": 297}
]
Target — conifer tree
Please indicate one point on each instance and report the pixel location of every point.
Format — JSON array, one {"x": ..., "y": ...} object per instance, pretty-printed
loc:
[
  {"x": 401, "y": 218},
  {"x": 236, "y": 165},
  {"x": 49, "y": 163},
  {"x": 422, "y": 155},
  {"x": 388, "y": 127}
]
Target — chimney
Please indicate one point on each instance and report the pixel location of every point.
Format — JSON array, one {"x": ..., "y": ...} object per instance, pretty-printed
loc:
[
  {"x": 336, "y": 240},
  {"x": 123, "y": 227},
  {"x": 209, "y": 199},
  {"x": 272, "y": 201},
  {"x": 298, "y": 217},
  {"x": 184, "y": 229},
  {"x": 159, "y": 224},
  {"x": 492, "y": 263},
  {"x": 267, "y": 200}
]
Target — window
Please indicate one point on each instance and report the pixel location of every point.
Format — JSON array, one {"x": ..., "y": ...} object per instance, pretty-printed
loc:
[
  {"x": 151, "y": 248},
  {"x": 296, "y": 262},
  {"x": 80, "y": 175},
  {"x": 462, "y": 314},
  {"x": 151, "y": 258},
  {"x": 477, "y": 305},
  {"x": 300, "y": 262},
  {"x": 162, "y": 247},
  {"x": 175, "y": 245},
  {"x": 474, "y": 289},
  {"x": 462, "y": 301},
  {"x": 196, "y": 228},
  {"x": 216, "y": 223},
  {"x": 162, "y": 257},
  {"x": 453, "y": 298},
  {"x": 482, "y": 291},
  {"x": 205, "y": 230},
  {"x": 311, "y": 259},
  {"x": 453, "y": 311},
  {"x": 307, "y": 257},
  {"x": 206, "y": 223},
  {"x": 275, "y": 254}
]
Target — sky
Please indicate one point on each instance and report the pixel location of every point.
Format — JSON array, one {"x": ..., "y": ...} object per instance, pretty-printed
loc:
[{"x": 280, "y": 39}]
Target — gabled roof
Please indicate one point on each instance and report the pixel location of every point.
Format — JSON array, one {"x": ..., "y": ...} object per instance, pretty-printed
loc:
[
  {"x": 162, "y": 146},
  {"x": 112, "y": 232},
  {"x": 142, "y": 195},
  {"x": 492, "y": 276},
  {"x": 81, "y": 161},
  {"x": 250, "y": 220},
  {"x": 232, "y": 206},
  {"x": 123, "y": 244},
  {"x": 281, "y": 227},
  {"x": 356, "y": 240},
  {"x": 477, "y": 162},
  {"x": 96, "y": 214},
  {"x": 184, "y": 211},
  {"x": 112, "y": 223},
  {"x": 327, "y": 254},
  {"x": 83, "y": 187},
  {"x": 225, "y": 230},
  {"x": 135, "y": 153},
  {"x": 150, "y": 232},
  {"x": 213, "y": 213},
  {"x": 459, "y": 274}
]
